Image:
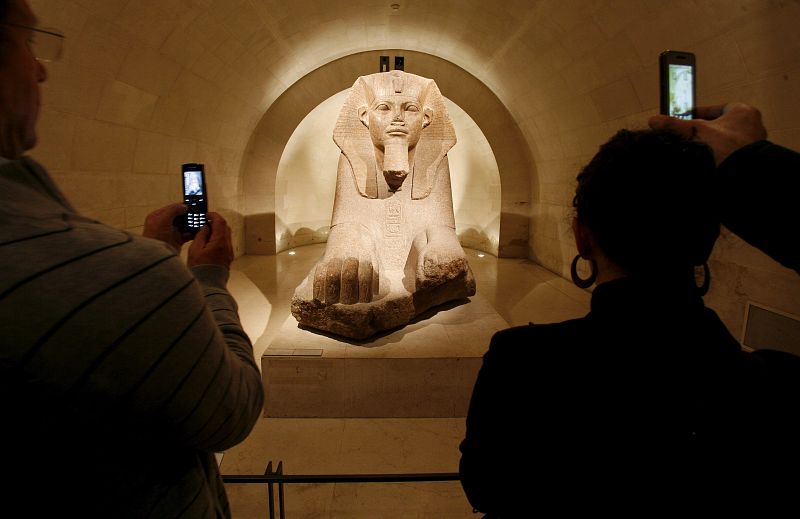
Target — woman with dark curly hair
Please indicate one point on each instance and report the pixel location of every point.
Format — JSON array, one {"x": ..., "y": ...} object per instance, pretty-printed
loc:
[{"x": 648, "y": 402}]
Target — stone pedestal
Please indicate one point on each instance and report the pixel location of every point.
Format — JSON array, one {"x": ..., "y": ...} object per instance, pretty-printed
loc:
[{"x": 425, "y": 369}]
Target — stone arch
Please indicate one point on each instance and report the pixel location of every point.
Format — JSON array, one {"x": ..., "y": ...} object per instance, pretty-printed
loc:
[{"x": 273, "y": 131}]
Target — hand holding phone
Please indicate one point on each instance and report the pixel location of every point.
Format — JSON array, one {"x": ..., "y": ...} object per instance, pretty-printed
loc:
[
  {"x": 160, "y": 225},
  {"x": 725, "y": 128},
  {"x": 194, "y": 196},
  {"x": 677, "y": 84},
  {"x": 212, "y": 245}
]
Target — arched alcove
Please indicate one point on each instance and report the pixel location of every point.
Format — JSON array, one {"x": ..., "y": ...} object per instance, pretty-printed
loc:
[
  {"x": 274, "y": 130},
  {"x": 306, "y": 180}
]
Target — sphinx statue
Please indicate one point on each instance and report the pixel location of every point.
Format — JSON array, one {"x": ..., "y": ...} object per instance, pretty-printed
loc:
[{"x": 392, "y": 251}]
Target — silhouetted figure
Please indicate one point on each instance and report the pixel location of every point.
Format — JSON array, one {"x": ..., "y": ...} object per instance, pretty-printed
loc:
[
  {"x": 121, "y": 371},
  {"x": 647, "y": 404}
]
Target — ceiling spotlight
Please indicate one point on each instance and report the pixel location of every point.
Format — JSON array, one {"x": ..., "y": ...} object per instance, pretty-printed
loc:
[
  {"x": 480, "y": 255},
  {"x": 292, "y": 253}
]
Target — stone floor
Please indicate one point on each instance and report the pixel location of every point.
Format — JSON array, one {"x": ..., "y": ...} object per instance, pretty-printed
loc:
[{"x": 519, "y": 290}]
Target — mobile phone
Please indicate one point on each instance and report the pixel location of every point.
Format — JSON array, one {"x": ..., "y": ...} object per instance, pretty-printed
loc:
[
  {"x": 194, "y": 196},
  {"x": 677, "y": 79}
]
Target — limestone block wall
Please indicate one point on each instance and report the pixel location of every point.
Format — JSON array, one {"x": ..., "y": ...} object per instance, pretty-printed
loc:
[{"x": 139, "y": 91}]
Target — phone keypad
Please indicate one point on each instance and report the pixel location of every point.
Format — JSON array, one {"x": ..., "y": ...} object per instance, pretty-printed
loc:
[{"x": 196, "y": 220}]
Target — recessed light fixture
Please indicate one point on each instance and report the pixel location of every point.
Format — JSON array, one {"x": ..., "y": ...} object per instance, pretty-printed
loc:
[
  {"x": 292, "y": 253},
  {"x": 395, "y": 7},
  {"x": 480, "y": 255}
]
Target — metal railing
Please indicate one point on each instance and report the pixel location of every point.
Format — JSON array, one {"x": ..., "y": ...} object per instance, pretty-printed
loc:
[{"x": 276, "y": 478}]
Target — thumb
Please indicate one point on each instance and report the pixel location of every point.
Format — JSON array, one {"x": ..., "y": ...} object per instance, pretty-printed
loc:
[
  {"x": 173, "y": 210},
  {"x": 201, "y": 238},
  {"x": 680, "y": 126}
]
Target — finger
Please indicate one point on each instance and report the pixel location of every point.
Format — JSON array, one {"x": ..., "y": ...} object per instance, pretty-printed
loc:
[
  {"x": 218, "y": 219},
  {"x": 333, "y": 277},
  {"x": 375, "y": 281},
  {"x": 219, "y": 227},
  {"x": 220, "y": 230},
  {"x": 683, "y": 127},
  {"x": 349, "y": 287},
  {"x": 171, "y": 211},
  {"x": 712, "y": 111},
  {"x": 197, "y": 246},
  {"x": 365, "y": 281},
  {"x": 178, "y": 208},
  {"x": 319, "y": 282},
  {"x": 165, "y": 214},
  {"x": 202, "y": 237}
]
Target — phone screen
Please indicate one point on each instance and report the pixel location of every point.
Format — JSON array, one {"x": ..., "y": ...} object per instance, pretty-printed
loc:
[
  {"x": 677, "y": 83},
  {"x": 192, "y": 183},
  {"x": 194, "y": 196},
  {"x": 681, "y": 92}
]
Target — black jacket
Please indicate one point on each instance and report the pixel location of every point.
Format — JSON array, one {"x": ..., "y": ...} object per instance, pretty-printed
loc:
[
  {"x": 645, "y": 405},
  {"x": 759, "y": 198}
]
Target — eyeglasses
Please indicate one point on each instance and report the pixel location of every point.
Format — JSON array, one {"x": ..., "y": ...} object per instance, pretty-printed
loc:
[{"x": 45, "y": 44}]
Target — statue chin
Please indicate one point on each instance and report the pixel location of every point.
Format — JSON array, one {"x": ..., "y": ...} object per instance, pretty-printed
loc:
[{"x": 395, "y": 179}]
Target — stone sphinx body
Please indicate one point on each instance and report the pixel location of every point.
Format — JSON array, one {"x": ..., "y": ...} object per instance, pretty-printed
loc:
[{"x": 392, "y": 251}]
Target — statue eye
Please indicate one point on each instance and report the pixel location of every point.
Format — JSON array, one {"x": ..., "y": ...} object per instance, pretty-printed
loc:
[
  {"x": 382, "y": 107},
  {"x": 412, "y": 108}
]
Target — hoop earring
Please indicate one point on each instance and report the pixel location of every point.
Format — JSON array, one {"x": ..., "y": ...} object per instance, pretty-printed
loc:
[
  {"x": 703, "y": 289},
  {"x": 573, "y": 271}
]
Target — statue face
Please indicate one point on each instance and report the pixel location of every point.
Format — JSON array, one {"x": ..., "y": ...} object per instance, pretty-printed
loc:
[{"x": 396, "y": 118}]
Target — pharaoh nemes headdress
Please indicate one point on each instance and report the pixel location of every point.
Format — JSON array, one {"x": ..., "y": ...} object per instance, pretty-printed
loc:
[{"x": 354, "y": 140}]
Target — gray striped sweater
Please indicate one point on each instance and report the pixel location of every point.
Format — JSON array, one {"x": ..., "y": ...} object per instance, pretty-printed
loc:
[{"x": 121, "y": 371}]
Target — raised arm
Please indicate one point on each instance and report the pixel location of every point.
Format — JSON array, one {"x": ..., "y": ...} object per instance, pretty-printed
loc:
[{"x": 758, "y": 180}]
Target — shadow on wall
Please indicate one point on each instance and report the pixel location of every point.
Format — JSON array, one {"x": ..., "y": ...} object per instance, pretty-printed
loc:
[
  {"x": 261, "y": 238},
  {"x": 484, "y": 239},
  {"x": 302, "y": 236},
  {"x": 259, "y": 232},
  {"x": 511, "y": 225},
  {"x": 475, "y": 238}
]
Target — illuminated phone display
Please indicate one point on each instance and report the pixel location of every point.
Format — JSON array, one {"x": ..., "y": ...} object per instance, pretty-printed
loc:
[
  {"x": 681, "y": 91},
  {"x": 192, "y": 183},
  {"x": 194, "y": 196},
  {"x": 677, "y": 70}
]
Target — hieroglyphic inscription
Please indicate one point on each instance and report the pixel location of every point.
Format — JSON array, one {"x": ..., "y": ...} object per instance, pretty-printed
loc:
[
  {"x": 394, "y": 240},
  {"x": 392, "y": 219}
]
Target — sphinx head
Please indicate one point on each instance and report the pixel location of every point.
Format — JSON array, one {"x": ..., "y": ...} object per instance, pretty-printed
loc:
[{"x": 395, "y": 116}]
